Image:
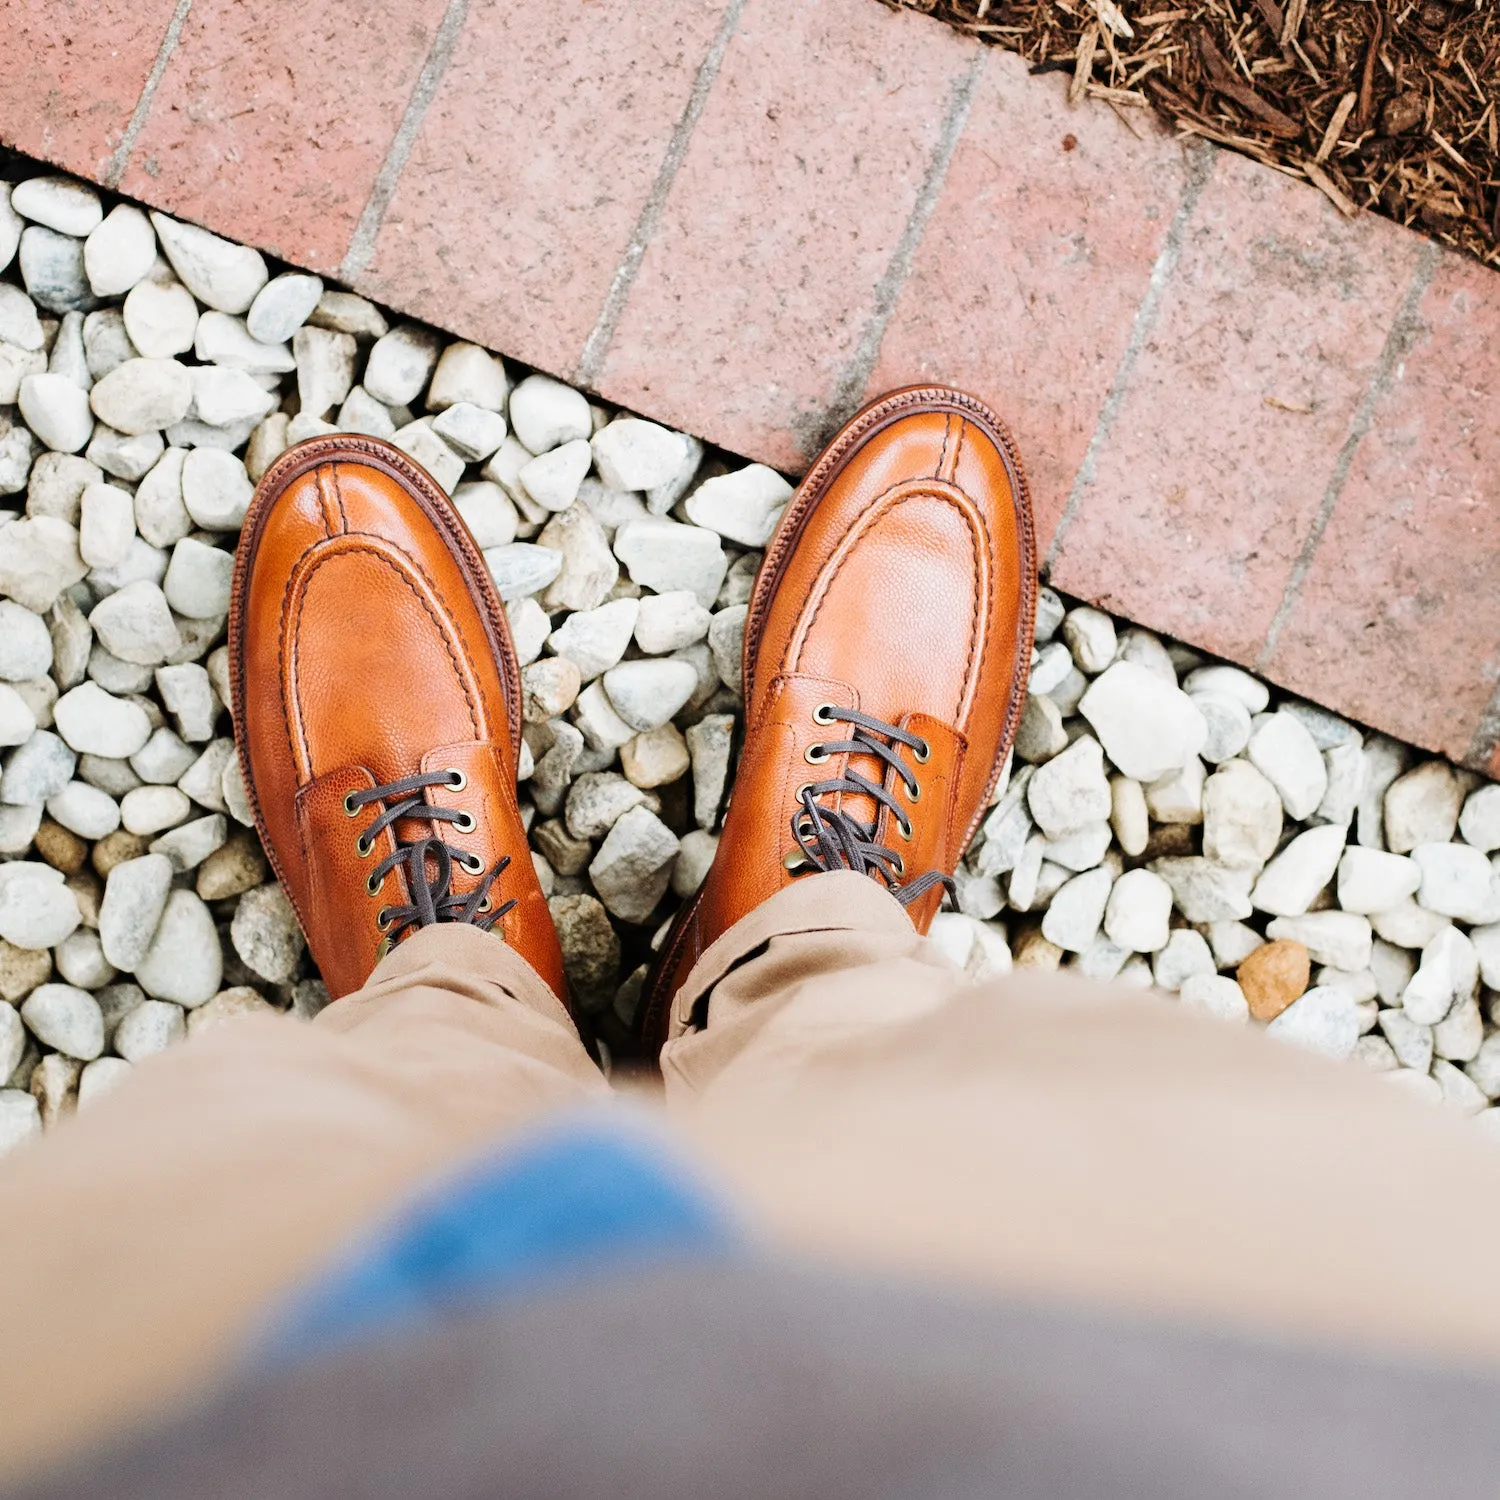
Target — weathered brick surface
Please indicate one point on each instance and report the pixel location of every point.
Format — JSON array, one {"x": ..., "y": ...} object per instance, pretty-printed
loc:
[
  {"x": 274, "y": 132},
  {"x": 1398, "y": 619},
  {"x": 806, "y": 165},
  {"x": 1032, "y": 269},
  {"x": 532, "y": 167},
  {"x": 70, "y": 74},
  {"x": 1226, "y": 438},
  {"x": 1222, "y": 449}
]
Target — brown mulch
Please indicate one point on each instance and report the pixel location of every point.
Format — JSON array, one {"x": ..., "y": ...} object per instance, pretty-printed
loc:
[{"x": 1391, "y": 107}]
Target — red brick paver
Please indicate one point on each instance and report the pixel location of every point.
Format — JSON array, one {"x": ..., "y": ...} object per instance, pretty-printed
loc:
[
  {"x": 1399, "y": 615},
  {"x": 274, "y": 133},
  {"x": 793, "y": 198},
  {"x": 1223, "y": 447},
  {"x": 71, "y": 72},
  {"x": 1035, "y": 263},
  {"x": 532, "y": 168},
  {"x": 1250, "y": 422}
]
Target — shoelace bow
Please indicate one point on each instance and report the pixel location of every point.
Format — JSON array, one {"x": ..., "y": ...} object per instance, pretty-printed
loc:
[
  {"x": 829, "y": 838},
  {"x": 432, "y": 899}
]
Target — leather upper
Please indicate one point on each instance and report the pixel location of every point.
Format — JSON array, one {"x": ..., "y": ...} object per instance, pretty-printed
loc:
[
  {"x": 367, "y": 644},
  {"x": 901, "y": 582}
]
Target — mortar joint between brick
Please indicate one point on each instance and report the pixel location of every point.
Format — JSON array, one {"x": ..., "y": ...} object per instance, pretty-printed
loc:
[
  {"x": 361, "y": 249},
  {"x": 850, "y": 384},
  {"x": 1405, "y": 328},
  {"x": 1199, "y": 165},
  {"x": 115, "y": 168},
  {"x": 601, "y": 336}
]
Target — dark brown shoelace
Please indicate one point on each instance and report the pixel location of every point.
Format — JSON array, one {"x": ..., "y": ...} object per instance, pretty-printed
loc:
[
  {"x": 432, "y": 900},
  {"x": 828, "y": 838}
]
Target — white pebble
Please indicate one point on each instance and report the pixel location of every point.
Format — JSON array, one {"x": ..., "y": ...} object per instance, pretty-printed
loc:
[
  {"x": 743, "y": 507},
  {"x": 282, "y": 306},
  {"x": 401, "y": 363},
  {"x": 69, "y": 207},
  {"x": 218, "y": 273},
  {"x": 65, "y": 1018},
  {"x": 1147, "y": 727},
  {"x": 216, "y": 490},
  {"x": 1139, "y": 912},
  {"x": 1322, "y": 1020},
  {"x": 1216, "y": 995},
  {"x": 106, "y": 525},
  {"x": 161, "y": 318},
  {"x": 1288, "y": 885},
  {"x": 184, "y": 963},
  {"x": 1284, "y": 752},
  {"x": 545, "y": 413},
  {"x": 1457, "y": 882},
  {"x": 1370, "y": 880},
  {"x": 97, "y": 723},
  {"x": 119, "y": 251},
  {"x": 57, "y": 411}
]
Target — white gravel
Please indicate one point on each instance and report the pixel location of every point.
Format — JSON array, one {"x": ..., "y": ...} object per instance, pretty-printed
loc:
[{"x": 1165, "y": 815}]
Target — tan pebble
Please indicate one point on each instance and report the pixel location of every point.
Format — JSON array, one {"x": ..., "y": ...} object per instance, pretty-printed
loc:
[
  {"x": 233, "y": 868},
  {"x": 61, "y": 848},
  {"x": 115, "y": 848},
  {"x": 1032, "y": 951},
  {"x": 228, "y": 1005},
  {"x": 88, "y": 892},
  {"x": 1273, "y": 976},
  {"x": 54, "y": 1086},
  {"x": 22, "y": 969}
]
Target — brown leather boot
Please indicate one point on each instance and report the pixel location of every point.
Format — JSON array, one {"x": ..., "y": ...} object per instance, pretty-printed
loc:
[
  {"x": 378, "y": 705},
  {"x": 887, "y": 649}
]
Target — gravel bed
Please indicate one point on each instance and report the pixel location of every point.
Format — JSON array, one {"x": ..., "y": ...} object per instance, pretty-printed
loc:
[{"x": 1167, "y": 819}]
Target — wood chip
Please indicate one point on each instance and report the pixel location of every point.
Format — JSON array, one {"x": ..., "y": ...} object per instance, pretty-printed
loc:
[
  {"x": 1112, "y": 18},
  {"x": 1330, "y": 190},
  {"x": 1083, "y": 68},
  {"x": 1446, "y": 146},
  {"x": 1336, "y": 125},
  {"x": 1295, "y": 11},
  {"x": 1420, "y": 144},
  {"x": 1224, "y": 82}
]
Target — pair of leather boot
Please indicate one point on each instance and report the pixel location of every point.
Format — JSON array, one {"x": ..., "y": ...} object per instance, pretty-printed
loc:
[{"x": 377, "y": 694}]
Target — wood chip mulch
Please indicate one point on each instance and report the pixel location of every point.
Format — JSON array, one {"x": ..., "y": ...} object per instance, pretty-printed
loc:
[{"x": 1385, "y": 107}]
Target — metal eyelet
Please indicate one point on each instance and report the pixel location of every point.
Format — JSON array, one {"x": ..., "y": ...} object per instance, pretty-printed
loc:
[
  {"x": 466, "y": 822},
  {"x": 794, "y": 861},
  {"x": 823, "y": 714},
  {"x": 351, "y": 809},
  {"x": 805, "y": 787},
  {"x": 383, "y": 948},
  {"x": 457, "y": 780},
  {"x": 914, "y": 793},
  {"x": 906, "y": 831},
  {"x": 363, "y": 847},
  {"x": 471, "y": 864},
  {"x": 900, "y": 868},
  {"x": 485, "y": 905},
  {"x": 922, "y": 753},
  {"x": 815, "y": 755},
  {"x": 383, "y": 919},
  {"x": 372, "y": 885}
]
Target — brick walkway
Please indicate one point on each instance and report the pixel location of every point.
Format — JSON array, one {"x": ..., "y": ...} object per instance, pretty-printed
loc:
[{"x": 1250, "y": 422}]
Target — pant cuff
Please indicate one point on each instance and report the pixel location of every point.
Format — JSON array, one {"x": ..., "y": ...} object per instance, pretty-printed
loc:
[
  {"x": 839, "y": 900},
  {"x": 455, "y": 955}
]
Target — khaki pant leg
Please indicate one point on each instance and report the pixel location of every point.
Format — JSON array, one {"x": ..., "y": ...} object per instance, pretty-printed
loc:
[
  {"x": 1048, "y": 1136},
  {"x": 143, "y": 1239}
]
